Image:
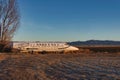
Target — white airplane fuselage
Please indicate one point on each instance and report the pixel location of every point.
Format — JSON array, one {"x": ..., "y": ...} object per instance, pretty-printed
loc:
[{"x": 42, "y": 46}]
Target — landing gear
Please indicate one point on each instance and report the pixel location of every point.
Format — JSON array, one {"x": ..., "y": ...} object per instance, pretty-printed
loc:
[{"x": 43, "y": 52}]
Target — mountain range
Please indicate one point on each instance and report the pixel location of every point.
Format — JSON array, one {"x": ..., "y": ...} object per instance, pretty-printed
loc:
[{"x": 94, "y": 42}]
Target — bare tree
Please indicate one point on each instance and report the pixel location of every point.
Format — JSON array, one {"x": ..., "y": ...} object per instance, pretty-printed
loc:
[{"x": 9, "y": 19}]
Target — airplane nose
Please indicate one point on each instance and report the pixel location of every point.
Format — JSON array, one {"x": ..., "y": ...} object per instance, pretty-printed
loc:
[
  {"x": 76, "y": 48},
  {"x": 72, "y": 48}
]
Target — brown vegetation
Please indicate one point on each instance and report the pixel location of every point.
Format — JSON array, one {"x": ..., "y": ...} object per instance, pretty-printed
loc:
[
  {"x": 109, "y": 49},
  {"x": 60, "y": 66}
]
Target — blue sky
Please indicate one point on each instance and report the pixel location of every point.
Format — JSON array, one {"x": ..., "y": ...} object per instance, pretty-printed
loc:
[{"x": 68, "y": 20}]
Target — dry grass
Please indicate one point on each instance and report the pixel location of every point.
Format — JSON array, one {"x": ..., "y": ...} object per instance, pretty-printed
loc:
[{"x": 96, "y": 66}]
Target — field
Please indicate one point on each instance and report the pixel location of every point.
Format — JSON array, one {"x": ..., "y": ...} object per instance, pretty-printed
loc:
[
  {"x": 80, "y": 66},
  {"x": 98, "y": 48}
]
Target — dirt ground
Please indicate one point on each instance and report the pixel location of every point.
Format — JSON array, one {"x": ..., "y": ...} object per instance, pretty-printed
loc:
[{"x": 81, "y": 66}]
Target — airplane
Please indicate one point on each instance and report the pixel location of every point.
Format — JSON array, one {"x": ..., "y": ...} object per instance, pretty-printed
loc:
[{"x": 37, "y": 46}]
